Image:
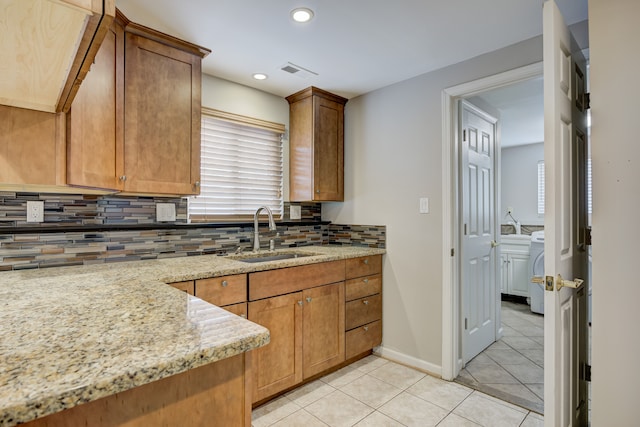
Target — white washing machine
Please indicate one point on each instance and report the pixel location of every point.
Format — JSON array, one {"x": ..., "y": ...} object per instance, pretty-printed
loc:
[{"x": 536, "y": 268}]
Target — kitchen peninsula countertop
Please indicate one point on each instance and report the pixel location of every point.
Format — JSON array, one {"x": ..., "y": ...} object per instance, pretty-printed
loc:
[{"x": 71, "y": 335}]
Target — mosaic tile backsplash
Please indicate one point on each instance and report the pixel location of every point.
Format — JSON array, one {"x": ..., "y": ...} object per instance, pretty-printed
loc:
[{"x": 59, "y": 248}]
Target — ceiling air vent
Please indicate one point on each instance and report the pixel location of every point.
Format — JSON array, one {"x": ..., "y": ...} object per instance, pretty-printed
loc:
[{"x": 298, "y": 70}]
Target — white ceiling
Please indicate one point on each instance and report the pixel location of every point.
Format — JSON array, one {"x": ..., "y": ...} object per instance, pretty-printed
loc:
[
  {"x": 521, "y": 109},
  {"x": 355, "y": 46}
]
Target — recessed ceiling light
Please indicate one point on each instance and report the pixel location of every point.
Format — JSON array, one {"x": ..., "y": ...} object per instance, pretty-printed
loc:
[
  {"x": 302, "y": 14},
  {"x": 260, "y": 76}
]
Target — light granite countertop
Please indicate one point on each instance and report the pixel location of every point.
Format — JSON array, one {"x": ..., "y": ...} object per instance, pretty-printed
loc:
[{"x": 71, "y": 335}]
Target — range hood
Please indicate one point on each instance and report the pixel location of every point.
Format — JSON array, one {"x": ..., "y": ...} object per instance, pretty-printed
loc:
[{"x": 47, "y": 48}]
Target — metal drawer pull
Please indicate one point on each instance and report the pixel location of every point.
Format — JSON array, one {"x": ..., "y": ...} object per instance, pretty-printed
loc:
[
  {"x": 224, "y": 283},
  {"x": 365, "y": 302},
  {"x": 366, "y": 328},
  {"x": 308, "y": 299},
  {"x": 366, "y": 280},
  {"x": 300, "y": 303}
]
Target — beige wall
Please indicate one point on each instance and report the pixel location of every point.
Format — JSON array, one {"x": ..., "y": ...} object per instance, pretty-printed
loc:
[
  {"x": 614, "y": 35},
  {"x": 393, "y": 156}
]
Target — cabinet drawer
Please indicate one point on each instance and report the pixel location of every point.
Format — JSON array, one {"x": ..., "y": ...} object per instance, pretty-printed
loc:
[
  {"x": 186, "y": 286},
  {"x": 265, "y": 284},
  {"x": 237, "y": 309},
  {"x": 363, "y": 338},
  {"x": 362, "y": 311},
  {"x": 363, "y": 286},
  {"x": 364, "y": 266},
  {"x": 223, "y": 290}
]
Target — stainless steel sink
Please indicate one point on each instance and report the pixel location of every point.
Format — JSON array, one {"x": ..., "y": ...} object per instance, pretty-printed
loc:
[{"x": 269, "y": 256}]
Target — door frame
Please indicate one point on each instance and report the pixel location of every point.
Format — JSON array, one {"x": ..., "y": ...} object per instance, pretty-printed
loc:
[{"x": 451, "y": 286}]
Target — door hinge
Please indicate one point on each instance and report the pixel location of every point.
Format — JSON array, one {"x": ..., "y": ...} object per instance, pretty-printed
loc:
[
  {"x": 585, "y": 373},
  {"x": 464, "y": 134},
  {"x": 586, "y": 100},
  {"x": 587, "y": 236},
  {"x": 465, "y": 323},
  {"x": 453, "y": 252}
]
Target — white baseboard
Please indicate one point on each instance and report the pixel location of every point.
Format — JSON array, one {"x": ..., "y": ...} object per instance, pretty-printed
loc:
[{"x": 396, "y": 356}]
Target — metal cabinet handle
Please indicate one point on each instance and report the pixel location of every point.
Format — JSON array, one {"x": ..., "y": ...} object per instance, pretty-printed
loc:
[
  {"x": 366, "y": 328},
  {"x": 224, "y": 283},
  {"x": 308, "y": 299},
  {"x": 365, "y": 280},
  {"x": 300, "y": 303},
  {"x": 317, "y": 191},
  {"x": 196, "y": 184},
  {"x": 366, "y": 261},
  {"x": 123, "y": 177},
  {"x": 365, "y": 302}
]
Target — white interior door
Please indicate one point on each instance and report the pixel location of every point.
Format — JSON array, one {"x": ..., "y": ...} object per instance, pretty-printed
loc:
[
  {"x": 478, "y": 230},
  {"x": 565, "y": 402}
]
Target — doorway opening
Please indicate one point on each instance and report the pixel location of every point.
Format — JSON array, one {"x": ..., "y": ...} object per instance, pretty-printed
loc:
[
  {"x": 510, "y": 367},
  {"x": 452, "y": 360}
]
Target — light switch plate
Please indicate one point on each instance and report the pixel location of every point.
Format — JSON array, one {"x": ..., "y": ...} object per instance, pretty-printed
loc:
[
  {"x": 295, "y": 212},
  {"x": 165, "y": 212},
  {"x": 424, "y": 205},
  {"x": 35, "y": 211}
]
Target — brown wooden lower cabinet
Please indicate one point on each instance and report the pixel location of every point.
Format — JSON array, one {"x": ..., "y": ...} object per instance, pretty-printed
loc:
[
  {"x": 363, "y": 308},
  {"x": 217, "y": 394},
  {"x": 237, "y": 309},
  {"x": 363, "y": 338},
  {"x": 322, "y": 328},
  {"x": 186, "y": 286},
  {"x": 278, "y": 365}
]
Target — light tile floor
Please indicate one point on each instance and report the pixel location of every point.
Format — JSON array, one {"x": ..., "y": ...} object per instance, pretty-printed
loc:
[
  {"x": 512, "y": 368},
  {"x": 380, "y": 393}
]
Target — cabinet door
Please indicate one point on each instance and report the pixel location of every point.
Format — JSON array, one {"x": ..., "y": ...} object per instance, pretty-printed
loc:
[
  {"x": 519, "y": 265},
  {"x": 323, "y": 328},
  {"x": 504, "y": 273},
  {"x": 94, "y": 123},
  {"x": 31, "y": 147},
  {"x": 328, "y": 150},
  {"x": 162, "y": 120},
  {"x": 278, "y": 365}
]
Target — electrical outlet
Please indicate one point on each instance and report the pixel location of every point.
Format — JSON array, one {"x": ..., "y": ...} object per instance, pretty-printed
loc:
[
  {"x": 165, "y": 212},
  {"x": 295, "y": 212},
  {"x": 35, "y": 211}
]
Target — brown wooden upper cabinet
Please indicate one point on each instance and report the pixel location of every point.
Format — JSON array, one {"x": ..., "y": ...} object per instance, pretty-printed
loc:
[
  {"x": 31, "y": 149},
  {"x": 316, "y": 146},
  {"x": 47, "y": 48},
  {"x": 155, "y": 147}
]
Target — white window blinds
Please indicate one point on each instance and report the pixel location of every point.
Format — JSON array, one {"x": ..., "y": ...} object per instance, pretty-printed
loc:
[
  {"x": 541, "y": 188},
  {"x": 241, "y": 168}
]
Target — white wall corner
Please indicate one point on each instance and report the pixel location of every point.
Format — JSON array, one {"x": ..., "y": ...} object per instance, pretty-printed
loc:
[{"x": 405, "y": 359}]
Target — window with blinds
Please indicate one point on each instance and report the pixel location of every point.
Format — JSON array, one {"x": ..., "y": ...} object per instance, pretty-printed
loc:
[
  {"x": 541, "y": 188},
  {"x": 241, "y": 168}
]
